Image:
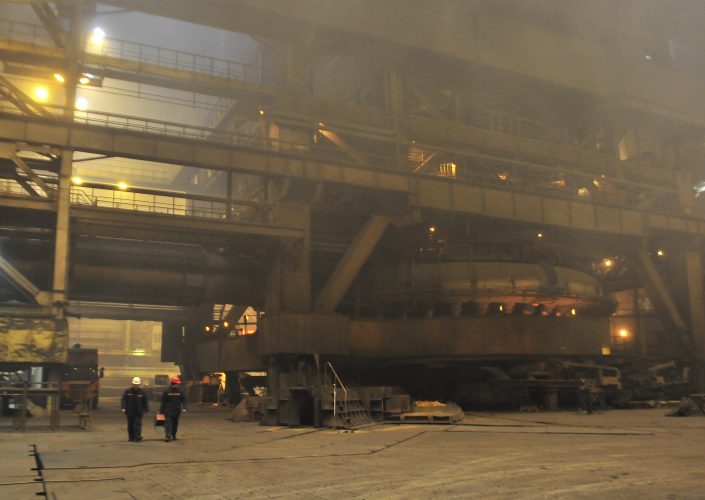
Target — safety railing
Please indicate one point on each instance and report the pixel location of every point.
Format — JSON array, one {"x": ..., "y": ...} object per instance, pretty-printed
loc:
[
  {"x": 336, "y": 381},
  {"x": 12, "y": 187},
  {"x": 184, "y": 61},
  {"x": 168, "y": 204},
  {"x": 18, "y": 31},
  {"x": 34, "y": 34},
  {"x": 22, "y": 398},
  {"x": 171, "y": 129}
]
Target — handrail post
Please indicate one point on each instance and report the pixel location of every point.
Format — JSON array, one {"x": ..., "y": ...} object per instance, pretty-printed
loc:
[
  {"x": 23, "y": 409},
  {"x": 335, "y": 423}
]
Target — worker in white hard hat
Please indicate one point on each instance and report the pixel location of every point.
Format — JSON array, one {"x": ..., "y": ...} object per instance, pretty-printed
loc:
[{"x": 134, "y": 405}]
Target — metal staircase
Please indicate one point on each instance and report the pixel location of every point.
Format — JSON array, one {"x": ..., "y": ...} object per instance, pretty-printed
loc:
[{"x": 341, "y": 407}]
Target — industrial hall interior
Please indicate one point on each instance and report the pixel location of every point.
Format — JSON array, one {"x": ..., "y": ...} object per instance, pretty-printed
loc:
[{"x": 340, "y": 217}]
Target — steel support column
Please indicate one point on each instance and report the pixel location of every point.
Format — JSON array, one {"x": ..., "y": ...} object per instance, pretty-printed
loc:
[
  {"x": 61, "y": 242},
  {"x": 351, "y": 263},
  {"x": 289, "y": 280},
  {"x": 660, "y": 296},
  {"x": 696, "y": 302}
]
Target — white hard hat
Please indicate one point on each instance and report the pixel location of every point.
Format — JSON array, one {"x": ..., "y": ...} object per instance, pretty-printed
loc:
[{"x": 136, "y": 381}]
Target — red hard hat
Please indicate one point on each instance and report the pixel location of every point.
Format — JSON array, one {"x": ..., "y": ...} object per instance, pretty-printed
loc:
[{"x": 175, "y": 380}]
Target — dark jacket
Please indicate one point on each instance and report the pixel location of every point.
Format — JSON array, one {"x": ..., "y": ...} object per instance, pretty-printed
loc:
[
  {"x": 172, "y": 401},
  {"x": 134, "y": 402}
]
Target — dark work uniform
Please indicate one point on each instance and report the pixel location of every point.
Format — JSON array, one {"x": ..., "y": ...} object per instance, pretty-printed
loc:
[
  {"x": 134, "y": 402},
  {"x": 173, "y": 401}
]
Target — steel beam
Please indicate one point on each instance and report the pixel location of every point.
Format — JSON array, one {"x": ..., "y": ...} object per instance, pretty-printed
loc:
[
  {"x": 26, "y": 186},
  {"x": 26, "y": 203},
  {"x": 27, "y": 170},
  {"x": 51, "y": 22},
  {"x": 340, "y": 142},
  {"x": 21, "y": 283},
  {"x": 234, "y": 314},
  {"x": 23, "y": 102},
  {"x": 425, "y": 192},
  {"x": 61, "y": 241},
  {"x": 132, "y": 312},
  {"x": 660, "y": 295},
  {"x": 349, "y": 266}
]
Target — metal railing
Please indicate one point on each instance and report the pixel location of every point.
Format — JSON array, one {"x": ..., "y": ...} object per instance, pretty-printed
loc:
[
  {"x": 18, "y": 395},
  {"x": 18, "y": 31},
  {"x": 168, "y": 204},
  {"x": 34, "y": 34},
  {"x": 171, "y": 129},
  {"x": 335, "y": 395},
  {"x": 184, "y": 61}
]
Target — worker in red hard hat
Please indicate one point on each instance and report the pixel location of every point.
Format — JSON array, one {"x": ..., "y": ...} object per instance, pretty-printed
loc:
[{"x": 173, "y": 404}]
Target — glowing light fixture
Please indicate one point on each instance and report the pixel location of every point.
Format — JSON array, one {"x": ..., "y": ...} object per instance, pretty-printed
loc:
[
  {"x": 97, "y": 36},
  {"x": 607, "y": 263},
  {"x": 81, "y": 104},
  {"x": 77, "y": 180},
  {"x": 503, "y": 176},
  {"x": 660, "y": 252},
  {"x": 624, "y": 333},
  {"x": 122, "y": 185},
  {"x": 539, "y": 235},
  {"x": 41, "y": 94},
  {"x": 207, "y": 328},
  {"x": 501, "y": 308},
  {"x": 226, "y": 324},
  {"x": 432, "y": 229},
  {"x": 84, "y": 80},
  {"x": 261, "y": 111},
  {"x": 59, "y": 77},
  {"x": 583, "y": 192}
]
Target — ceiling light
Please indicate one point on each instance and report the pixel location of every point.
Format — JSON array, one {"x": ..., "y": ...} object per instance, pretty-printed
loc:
[
  {"x": 77, "y": 180},
  {"x": 41, "y": 94},
  {"x": 59, "y": 77},
  {"x": 81, "y": 104},
  {"x": 122, "y": 185},
  {"x": 97, "y": 36}
]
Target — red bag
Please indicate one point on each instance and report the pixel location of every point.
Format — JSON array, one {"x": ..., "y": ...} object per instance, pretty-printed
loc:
[{"x": 159, "y": 419}]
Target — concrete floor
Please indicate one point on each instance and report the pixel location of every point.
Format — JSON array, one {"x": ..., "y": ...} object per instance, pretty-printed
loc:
[{"x": 616, "y": 454}]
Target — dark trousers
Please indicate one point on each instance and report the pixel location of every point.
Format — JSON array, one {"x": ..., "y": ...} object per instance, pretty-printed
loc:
[
  {"x": 171, "y": 425},
  {"x": 585, "y": 401},
  {"x": 134, "y": 427}
]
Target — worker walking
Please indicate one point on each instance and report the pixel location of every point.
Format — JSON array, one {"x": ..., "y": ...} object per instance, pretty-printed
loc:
[
  {"x": 585, "y": 395},
  {"x": 173, "y": 403},
  {"x": 134, "y": 405}
]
